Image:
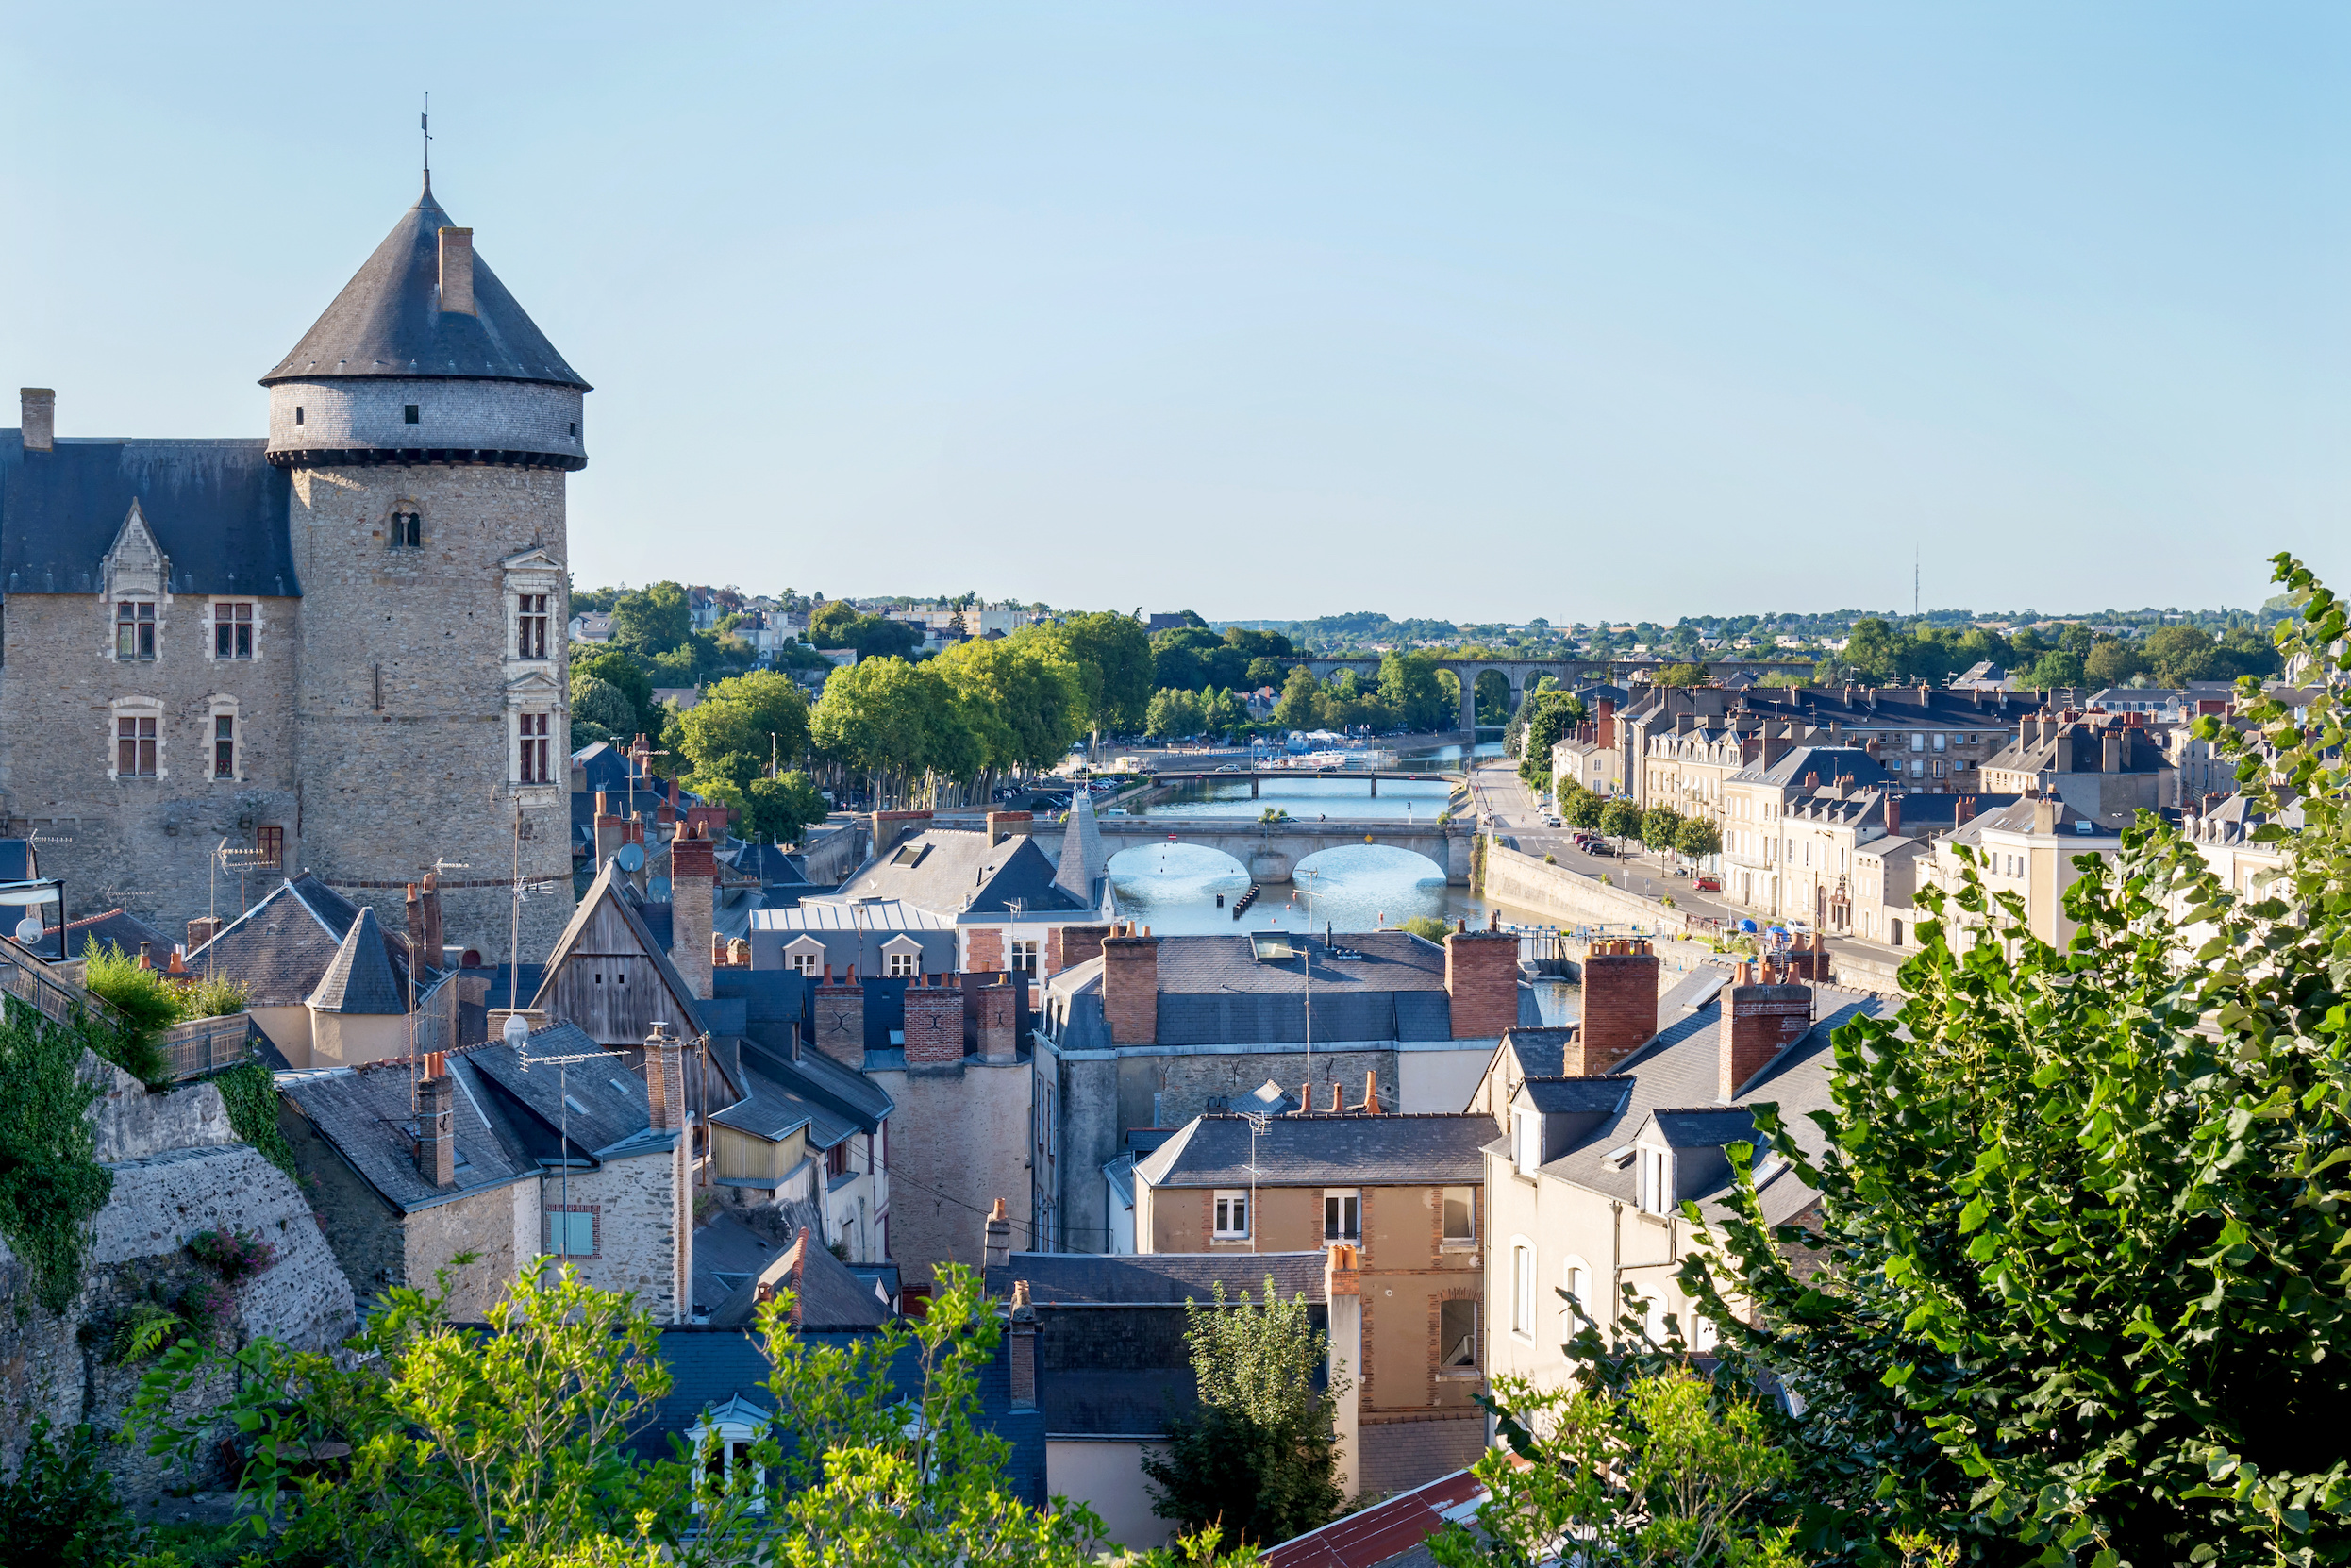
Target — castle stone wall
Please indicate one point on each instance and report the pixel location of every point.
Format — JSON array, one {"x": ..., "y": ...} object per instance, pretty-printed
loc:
[{"x": 371, "y": 411}]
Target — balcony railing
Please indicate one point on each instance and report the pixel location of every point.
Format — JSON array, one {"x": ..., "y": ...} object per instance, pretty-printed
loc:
[
  {"x": 201, "y": 1046},
  {"x": 195, "y": 1048}
]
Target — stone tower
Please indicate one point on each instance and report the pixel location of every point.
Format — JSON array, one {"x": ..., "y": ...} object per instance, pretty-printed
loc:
[{"x": 427, "y": 425}]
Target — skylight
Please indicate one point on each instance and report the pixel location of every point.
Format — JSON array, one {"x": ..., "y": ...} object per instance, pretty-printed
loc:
[
  {"x": 1270, "y": 945},
  {"x": 575, "y": 1105}
]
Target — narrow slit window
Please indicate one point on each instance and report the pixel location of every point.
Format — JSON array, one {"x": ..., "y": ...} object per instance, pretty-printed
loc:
[
  {"x": 297, "y": 413},
  {"x": 409, "y": 413},
  {"x": 408, "y": 529},
  {"x": 223, "y": 745}
]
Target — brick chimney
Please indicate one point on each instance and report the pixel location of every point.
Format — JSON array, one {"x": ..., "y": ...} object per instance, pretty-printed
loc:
[
  {"x": 1009, "y": 824},
  {"x": 1759, "y": 1022},
  {"x": 436, "y": 1135},
  {"x": 203, "y": 929},
  {"x": 934, "y": 1021},
  {"x": 1962, "y": 809},
  {"x": 1893, "y": 815},
  {"x": 609, "y": 837},
  {"x": 694, "y": 869},
  {"x": 666, "y": 1077},
  {"x": 996, "y": 1238},
  {"x": 457, "y": 271},
  {"x": 1024, "y": 1325},
  {"x": 840, "y": 1010},
  {"x": 2114, "y": 748},
  {"x": 891, "y": 828},
  {"x": 998, "y": 1021},
  {"x": 37, "y": 414},
  {"x": 1130, "y": 989},
  {"x": 1620, "y": 1004},
  {"x": 1604, "y": 721},
  {"x": 711, "y": 820},
  {"x": 1481, "y": 979}
]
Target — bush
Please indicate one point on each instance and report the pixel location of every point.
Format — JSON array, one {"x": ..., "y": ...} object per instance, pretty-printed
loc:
[
  {"x": 61, "y": 1508},
  {"x": 51, "y": 1185},
  {"x": 213, "y": 996},
  {"x": 1426, "y": 926},
  {"x": 234, "y": 1255},
  {"x": 251, "y": 1095},
  {"x": 149, "y": 1003}
]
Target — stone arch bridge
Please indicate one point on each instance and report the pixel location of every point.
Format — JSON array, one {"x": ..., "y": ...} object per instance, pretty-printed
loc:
[
  {"x": 1523, "y": 672},
  {"x": 1272, "y": 850}
]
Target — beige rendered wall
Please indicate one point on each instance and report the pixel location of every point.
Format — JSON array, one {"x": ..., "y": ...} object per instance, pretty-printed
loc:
[
  {"x": 1107, "y": 1477},
  {"x": 340, "y": 1040}
]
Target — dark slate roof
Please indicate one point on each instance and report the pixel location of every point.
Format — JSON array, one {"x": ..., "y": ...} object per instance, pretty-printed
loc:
[
  {"x": 1828, "y": 763},
  {"x": 1380, "y": 985},
  {"x": 358, "y": 977},
  {"x": 16, "y": 861},
  {"x": 608, "y": 1106},
  {"x": 1703, "y": 1126},
  {"x": 364, "y": 1112},
  {"x": 217, "y": 511},
  {"x": 388, "y": 320},
  {"x": 825, "y": 1295},
  {"x": 1542, "y": 1053},
  {"x": 1556, "y": 1096},
  {"x": 281, "y": 948},
  {"x": 115, "y": 929},
  {"x": 1156, "y": 1278},
  {"x": 1323, "y": 1151},
  {"x": 711, "y": 1366},
  {"x": 959, "y": 873}
]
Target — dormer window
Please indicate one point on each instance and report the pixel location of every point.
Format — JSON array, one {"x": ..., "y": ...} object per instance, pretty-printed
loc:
[
  {"x": 134, "y": 628},
  {"x": 1656, "y": 1179}
]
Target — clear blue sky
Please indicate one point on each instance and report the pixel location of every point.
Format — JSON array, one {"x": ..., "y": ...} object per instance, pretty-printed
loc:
[{"x": 1477, "y": 312}]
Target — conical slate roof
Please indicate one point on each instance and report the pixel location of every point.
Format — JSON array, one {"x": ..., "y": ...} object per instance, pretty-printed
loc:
[
  {"x": 1083, "y": 861},
  {"x": 359, "y": 978},
  {"x": 388, "y": 320}
]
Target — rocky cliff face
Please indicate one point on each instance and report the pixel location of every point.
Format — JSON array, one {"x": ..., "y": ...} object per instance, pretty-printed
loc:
[{"x": 179, "y": 1169}]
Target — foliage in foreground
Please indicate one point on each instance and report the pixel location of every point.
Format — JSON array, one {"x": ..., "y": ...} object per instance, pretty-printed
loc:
[
  {"x": 61, "y": 1507},
  {"x": 2084, "y": 1209},
  {"x": 1261, "y": 1457},
  {"x": 505, "y": 1449}
]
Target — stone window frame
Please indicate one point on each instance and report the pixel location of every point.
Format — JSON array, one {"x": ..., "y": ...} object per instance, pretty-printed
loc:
[
  {"x": 114, "y": 603},
  {"x": 222, "y": 706},
  {"x": 395, "y": 530},
  {"x": 141, "y": 707},
  {"x": 543, "y": 714},
  {"x": 514, "y": 582},
  {"x": 211, "y": 621}
]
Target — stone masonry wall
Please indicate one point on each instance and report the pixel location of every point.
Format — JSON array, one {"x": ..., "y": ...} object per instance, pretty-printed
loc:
[
  {"x": 634, "y": 1201},
  {"x": 405, "y": 736},
  {"x": 145, "y": 843},
  {"x": 1185, "y": 1083},
  {"x": 958, "y": 1141}
]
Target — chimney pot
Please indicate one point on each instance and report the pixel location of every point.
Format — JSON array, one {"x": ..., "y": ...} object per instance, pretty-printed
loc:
[
  {"x": 37, "y": 414},
  {"x": 457, "y": 271},
  {"x": 1334, "y": 1099},
  {"x": 1371, "y": 1093}
]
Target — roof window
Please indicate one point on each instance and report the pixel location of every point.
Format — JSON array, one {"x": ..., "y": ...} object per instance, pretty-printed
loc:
[
  {"x": 1268, "y": 945},
  {"x": 575, "y": 1105}
]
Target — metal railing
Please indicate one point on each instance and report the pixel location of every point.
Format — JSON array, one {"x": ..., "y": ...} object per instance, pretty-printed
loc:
[
  {"x": 34, "y": 980},
  {"x": 202, "y": 1045}
]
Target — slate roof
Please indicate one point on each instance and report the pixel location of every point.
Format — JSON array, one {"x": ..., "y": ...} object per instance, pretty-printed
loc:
[
  {"x": 1323, "y": 1151},
  {"x": 388, "y": 320},
  {"x": 1558, "y": 1096},
  {"x": 281, "y": 947},
  {"x": 960, "y": 874},
  {"x": 363, "y": 1114},
  {"x": 17, "y": 861},
  {"x": 358, "y": 977},
  {"x": 826, "y": 1295},
  {"x": 778, "y": 1096},
  {"x": 1679, "y": 1073},
  {"x": 608, "y": 1102},
  {"x": 874, "y": 916},
  {"x": 217, "y": 511},
  {"x": 1830, "y": 762},
  {"x": 111, "y": 928},
  {"x": 1540, "y": 1052},
  {"x": 1155, "y": 1278},
  {"x": 711, "y": 1366},
  {"x": 1083, "y": 864},
  {"x": 1380, "y": 985}
]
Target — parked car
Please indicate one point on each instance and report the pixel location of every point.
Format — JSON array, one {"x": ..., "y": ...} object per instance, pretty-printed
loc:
[
  {"x": 1709, "y": 884},
  {"x": 1599, "y": 847},
  {"x": 1551, "y": 822}
]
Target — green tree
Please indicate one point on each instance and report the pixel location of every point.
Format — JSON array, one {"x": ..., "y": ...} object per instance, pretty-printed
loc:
[
  {"x": 1264, "y": 672},
  {"x": 60, "y": 1507},
  {"x": 2083, "y": 1212},
  {"x": 600, "y": 711},
  {"x": 740, "y": 726},
  {"x": 2177, "y": 655},
  {"x": 1253, "y": 645},
  {"x": 1428, "y": 927},
  {"x": 1681, "y": 674},
  {"x": 1112, "y": 654},
  {"x": 2112, "y": 662},
  {"x": 1028, "y": 683},
  {"x": 1583, "y": 809},
  {"x": 1665, "y": 1468},
  {"x": 1261, "y": 1457},
  {"x": 1869, "y": 650},
  {"x": 1173, "y": 711},
  {"x": 632, "y": 676},
  {"x": 1659, "y": 826},
  {"x": 1549, "y": 715},
  {"x": 2058, "y": 670},
  {"x": 897, "y": 723},
  {"x": 1296, "y": 709},
  {"x": 1620, "y": 817},
  {"x": 1697, "y": 838},
  {"x": 654, "y": 620}
]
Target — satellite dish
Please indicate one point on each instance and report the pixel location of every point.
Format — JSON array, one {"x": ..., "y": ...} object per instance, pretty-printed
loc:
[
  {"x": 658, "y": 888},
  {"x": 29, "y": 929},
  {"x": 629, "y": 856}
]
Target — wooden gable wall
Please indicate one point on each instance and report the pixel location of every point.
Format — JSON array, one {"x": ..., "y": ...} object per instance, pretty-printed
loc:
[{"x": 609, "y": 984}]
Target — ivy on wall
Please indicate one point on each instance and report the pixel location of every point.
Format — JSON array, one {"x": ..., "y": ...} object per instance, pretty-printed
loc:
[
  {"x": 251, "y": 1095},
  {"x": 51, "y": 1183}
]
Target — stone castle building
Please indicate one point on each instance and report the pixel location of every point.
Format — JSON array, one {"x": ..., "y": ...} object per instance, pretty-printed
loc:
[{"x": 340, "y": 647}]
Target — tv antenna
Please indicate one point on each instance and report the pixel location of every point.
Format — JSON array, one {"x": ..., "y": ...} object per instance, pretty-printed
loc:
[{"x": 562, "y": 1066}]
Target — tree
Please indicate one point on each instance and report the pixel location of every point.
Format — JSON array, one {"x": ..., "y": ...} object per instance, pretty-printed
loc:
[
  {"x": 1681, "y": 674},
  {"x": 1697, "y": 838},
  {"x": 1583, "y": 809},
  {"x": 2082, "y": 1212},
  {"x": 1428, "y": 927},
  {"x": 2057, "y": 670},
  {"x": 1261, "y": 1457},
  {"x": 1869, "y": 649},
  {"x": 1549, "y": 716},
  {"x": 752, "y": 720},
  {"x": 1296, "y": 711},
  {"x": 1173, "y": 712},
  {"x": 1112, "y": 654},
  {"x": 598, "y": 701},
  {"x": 902, "y": 722},
  {"x": 2112, "y": 662},
  {"x": 2177, "y": 655},
  {"x": 653, "y": 620},
  {"x": 1265, "y": 672},
  {"x": 1661, "y": 1468},
  {"x": 1620, "y": 817},
  {"x": 1660, "y": 824},
  {"x": 631, "y": 677},
  {"x": 1027, "y": 682},
  {"x": 60, "y": 1507},
  {"x": 838, "y": 624}
]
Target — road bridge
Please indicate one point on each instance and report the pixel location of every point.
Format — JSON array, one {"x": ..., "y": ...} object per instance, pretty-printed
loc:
[
  {"x": 1523, "y": 672},
  {"x": 1272, "y": 850},
  {"x": 1257, "y": 778}
]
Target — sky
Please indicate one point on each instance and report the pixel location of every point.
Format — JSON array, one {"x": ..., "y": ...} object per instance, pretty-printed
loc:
[{"x": 1472, "y": 311}]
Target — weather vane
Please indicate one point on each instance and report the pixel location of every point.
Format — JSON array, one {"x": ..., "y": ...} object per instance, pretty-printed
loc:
[{"x": 424, "y": 123}]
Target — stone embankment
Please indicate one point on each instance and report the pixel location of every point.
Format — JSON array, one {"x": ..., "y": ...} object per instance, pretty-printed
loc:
[{"x": 179, "y": 1169}]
